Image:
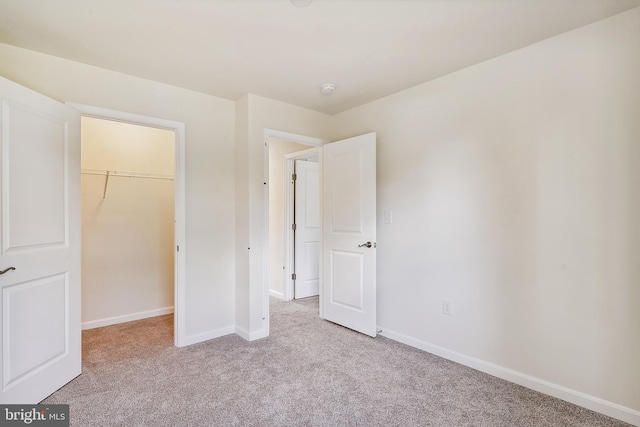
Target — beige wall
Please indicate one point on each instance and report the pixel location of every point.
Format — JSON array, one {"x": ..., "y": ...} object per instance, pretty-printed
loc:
[
  {"x": 127, "y": 237},
  {"x": 514, "y": 191},
  {"x": 277, "y": 188},
  {"x": 210, "y": 201}
]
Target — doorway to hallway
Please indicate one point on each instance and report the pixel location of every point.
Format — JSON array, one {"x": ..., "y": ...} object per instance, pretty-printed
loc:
[{"x": 293, "y": 220}]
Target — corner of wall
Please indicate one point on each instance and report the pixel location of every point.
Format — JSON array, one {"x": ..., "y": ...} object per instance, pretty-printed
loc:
[{"x": 241, "y": 214}]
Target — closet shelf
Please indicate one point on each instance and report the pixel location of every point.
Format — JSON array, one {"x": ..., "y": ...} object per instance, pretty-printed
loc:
[
  {"x": 109, "y": 173},
  {"x": 126, "y": 174}
]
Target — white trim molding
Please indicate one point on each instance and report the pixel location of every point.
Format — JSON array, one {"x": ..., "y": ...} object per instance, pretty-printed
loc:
[
  {"x": 292, "y": 137},
  {"x": 180, "y": 328},
  {"x": 108, "y": 321},
  {"x": 206, "y": 336},
  {"x": 243, "y": 333},
  {"x": 596, "y": 404},
  {"x": 289, "y": 202},
  {"x": 276, "y": 294},
  {"x": 283, "y": 136}
]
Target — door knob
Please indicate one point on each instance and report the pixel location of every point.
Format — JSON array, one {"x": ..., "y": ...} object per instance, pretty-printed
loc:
[
  {"x": 366, "y": 245},
  {"x": 7, "y": 269}
]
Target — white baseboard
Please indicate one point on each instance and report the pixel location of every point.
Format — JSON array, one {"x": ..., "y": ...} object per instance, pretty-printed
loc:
[
  {"x": 596, "y": 404},
  {"x": 205, "y": 336},
  {"x": 276, "y": 294},
  {"x": 126, "y": 318},
  {"x": 243, "y": 333}
]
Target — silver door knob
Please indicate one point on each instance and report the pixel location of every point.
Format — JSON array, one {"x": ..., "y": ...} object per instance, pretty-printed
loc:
[
  {"x": 7, "y": 269},
  {"x": 366, "y": 245}
]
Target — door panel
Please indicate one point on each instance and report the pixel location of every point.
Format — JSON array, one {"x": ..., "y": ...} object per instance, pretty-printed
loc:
[
  {"x": 346, "y": 215},
  {"x": 40, "y": 204},
  {"x": 34, "y": 208},
  {"x": 349, "y": 214},
  {"x": 346, "y": 282},
  {"x": 307, "y": 234},
  {"x": 47, "y": 332}
]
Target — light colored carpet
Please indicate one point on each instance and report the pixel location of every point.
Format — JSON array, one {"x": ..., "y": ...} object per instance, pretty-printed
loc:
[{"x": 307, "y": 373}]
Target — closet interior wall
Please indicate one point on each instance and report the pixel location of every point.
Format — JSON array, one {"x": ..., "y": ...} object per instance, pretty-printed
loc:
[{"x": 127, "y": 222}]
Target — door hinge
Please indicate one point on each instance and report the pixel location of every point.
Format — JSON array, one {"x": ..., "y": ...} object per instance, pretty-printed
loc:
[
  {"x": 293, "y": 276},
  {"x": 294, "y": 176},
  {"x": 294, "y": 227},
  {"x": 178, "y": 248}
]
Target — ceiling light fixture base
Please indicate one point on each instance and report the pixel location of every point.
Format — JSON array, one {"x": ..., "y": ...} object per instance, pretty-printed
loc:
[
  {"x": 301, "y": 3},
  {"x": 328, "y": 88}
]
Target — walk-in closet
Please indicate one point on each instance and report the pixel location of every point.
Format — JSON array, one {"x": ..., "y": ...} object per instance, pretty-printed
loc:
[{"x": 127, "y": 222}]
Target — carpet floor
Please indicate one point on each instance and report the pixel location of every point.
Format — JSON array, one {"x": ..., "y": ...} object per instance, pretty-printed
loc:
[{"x": 308, "y": 372}]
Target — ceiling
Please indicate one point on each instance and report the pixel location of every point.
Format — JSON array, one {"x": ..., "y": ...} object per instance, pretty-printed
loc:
[{"x": 227, "y": 48}]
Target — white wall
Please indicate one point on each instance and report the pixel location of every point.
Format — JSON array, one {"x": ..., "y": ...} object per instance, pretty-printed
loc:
[
  {"x": 251, "y": 218},
  {"x": 127, "y": 236},
  {"x": 513, "y": 186},
  {"x": 277, "y": 188},
  {"x": 514, "y": 191},
  {"x": 210, "y": 201},
  {"x": 242, "y": 324}
]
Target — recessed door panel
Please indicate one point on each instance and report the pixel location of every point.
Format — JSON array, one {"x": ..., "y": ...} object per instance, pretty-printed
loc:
[
  {"x": 34, "y": 326},
  {"x": 33, "y": 178},
  {"x": 346, "y": 281},
  {"x": 346, "y": 181},
  {"x": 311, "y": 260},
  {"x": 312, "y": 208}
]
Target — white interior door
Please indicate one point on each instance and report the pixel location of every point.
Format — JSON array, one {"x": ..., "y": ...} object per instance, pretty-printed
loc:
[
  {"x": 349, "y": 233},
  {"x": 307, "y": 233},
  {"x": 40, "y": 204}
]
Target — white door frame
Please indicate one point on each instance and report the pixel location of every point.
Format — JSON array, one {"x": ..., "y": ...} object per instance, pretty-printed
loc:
[
  {"x": 298, "y": 139},
  {"x": 179, "y": 307},
  {"x": 289, "y": 204}
]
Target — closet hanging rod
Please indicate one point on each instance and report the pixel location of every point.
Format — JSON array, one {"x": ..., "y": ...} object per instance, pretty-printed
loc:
[{"x": 126, "y": 174}]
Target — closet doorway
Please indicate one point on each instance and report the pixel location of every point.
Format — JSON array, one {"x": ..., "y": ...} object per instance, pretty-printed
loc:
[{"x": 132, "y": 227}]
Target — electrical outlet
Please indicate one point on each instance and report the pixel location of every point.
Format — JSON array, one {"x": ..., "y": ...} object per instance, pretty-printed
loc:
[{"x": 447, "y": 307}]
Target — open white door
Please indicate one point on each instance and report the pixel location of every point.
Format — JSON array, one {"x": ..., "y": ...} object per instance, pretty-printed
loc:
[
  {"x": 40, "y": 237},
  {"x": 307, "y": 232},
  {"x": 349, "y": 233}
]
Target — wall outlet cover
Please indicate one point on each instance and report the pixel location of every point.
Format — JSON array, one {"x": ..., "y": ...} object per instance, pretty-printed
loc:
[{"x": 447, "y": 307}]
